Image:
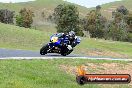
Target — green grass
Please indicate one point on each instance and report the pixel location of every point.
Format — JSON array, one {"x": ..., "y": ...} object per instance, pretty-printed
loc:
[
  {"x": 44, "y": 74},
  {"x": 18, "y": 37},
  {"x": 105, "y": 45},
  {"x": 30, "y": 39}
]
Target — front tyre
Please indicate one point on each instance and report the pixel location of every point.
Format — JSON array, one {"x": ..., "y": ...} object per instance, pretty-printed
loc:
[
  {"x": 63, "y": 54},
  {"x": 65, "y": 51},
  {"x": 69, "y": 52},
  {"x": 44, "y": 49}
]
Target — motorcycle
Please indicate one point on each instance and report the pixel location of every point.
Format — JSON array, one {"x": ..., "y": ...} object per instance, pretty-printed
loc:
[{"x": 59, "y": 44}]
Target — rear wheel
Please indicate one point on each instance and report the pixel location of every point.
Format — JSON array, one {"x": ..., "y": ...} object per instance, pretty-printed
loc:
[{"x": 44, "y": 49}]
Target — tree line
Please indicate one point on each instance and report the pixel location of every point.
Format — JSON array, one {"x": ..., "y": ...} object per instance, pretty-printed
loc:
[
  {"x": 118, "y": 28},
  {"x": 66, "y": 17},
  {"x": 23, "y": 19}
]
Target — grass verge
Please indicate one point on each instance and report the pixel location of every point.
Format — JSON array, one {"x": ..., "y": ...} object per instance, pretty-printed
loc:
[
  {"x": 22, "y": 38},
  {"x": 47, "y": 73}
]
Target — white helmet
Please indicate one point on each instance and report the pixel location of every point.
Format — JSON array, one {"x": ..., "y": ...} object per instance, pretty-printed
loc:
[{"x": 72, "y": 33}]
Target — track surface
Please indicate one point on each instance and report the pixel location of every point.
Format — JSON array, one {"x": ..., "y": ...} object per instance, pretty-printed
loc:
[{"x": 28, "y": 54}]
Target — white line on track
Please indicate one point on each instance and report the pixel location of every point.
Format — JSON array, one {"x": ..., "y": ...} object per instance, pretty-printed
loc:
[{"x": 46, "y": 58}]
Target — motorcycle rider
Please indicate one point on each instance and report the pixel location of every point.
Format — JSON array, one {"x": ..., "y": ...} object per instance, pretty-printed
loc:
[{"x": 71, "y": 37}]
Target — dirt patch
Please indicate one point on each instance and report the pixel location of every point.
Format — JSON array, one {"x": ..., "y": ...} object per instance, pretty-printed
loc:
[
  {"x": 109, "y": 68},
  {"x": 105, "y": 53},
  {"x": 100, "y": 68},
  {"x": 99, "y": 52},
  {"x": 69, "y": 69}
]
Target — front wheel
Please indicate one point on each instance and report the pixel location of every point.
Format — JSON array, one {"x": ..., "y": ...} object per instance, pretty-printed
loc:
[
  {"x": 44, "y": 49},
  {"x": 64, "y": 51},
  {"x": 69, "y": 52},
  {"x": 63, "y": 54}
]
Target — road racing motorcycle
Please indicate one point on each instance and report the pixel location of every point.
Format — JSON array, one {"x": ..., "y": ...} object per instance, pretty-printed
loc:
[{"x": 59, "y": 44}]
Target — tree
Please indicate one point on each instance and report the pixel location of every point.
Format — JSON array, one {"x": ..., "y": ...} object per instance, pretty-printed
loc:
[
  {"x": 19, "y": 21},
  {"x": 122, "y": 9},
  {"x": 25, "y": 18},
  {"x": 67, "y": 18},
  {"x": 95, "y": 23},
  {"x": 129, "y": 37},
  {"x": 43, "y": 14},
  {"x": 98, "y": 8},
  {"x": 50, "y": 18},
  {"x": 118, "y": 28},
  {"x": 129, "y": 21},
  {"x": 6, "y": 16},
  {"x": 116, "y": 32},
  {"x": 119, "y": 14}
]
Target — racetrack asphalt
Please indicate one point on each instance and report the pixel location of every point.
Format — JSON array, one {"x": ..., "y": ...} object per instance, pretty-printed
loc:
[{"x": 28, "y": 54}]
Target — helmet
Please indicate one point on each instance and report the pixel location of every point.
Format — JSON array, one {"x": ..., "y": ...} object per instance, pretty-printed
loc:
[{"x": 72, "y": 33}]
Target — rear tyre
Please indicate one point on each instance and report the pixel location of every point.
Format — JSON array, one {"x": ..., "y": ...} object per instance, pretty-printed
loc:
[{"x": 44, "y": 49}]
